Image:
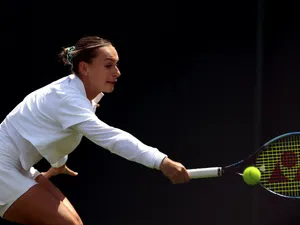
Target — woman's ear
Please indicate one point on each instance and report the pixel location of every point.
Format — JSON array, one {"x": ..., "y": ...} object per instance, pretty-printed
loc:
[{"x": 83, "y": 68}]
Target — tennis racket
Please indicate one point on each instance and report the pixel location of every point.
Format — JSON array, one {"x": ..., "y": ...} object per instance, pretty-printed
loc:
[{"x": 279, "y": 163}]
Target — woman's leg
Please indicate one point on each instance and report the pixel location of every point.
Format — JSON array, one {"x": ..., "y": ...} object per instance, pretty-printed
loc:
[
  {"x": 38, "y": 206},
  {"x": 49, "y": 186}
]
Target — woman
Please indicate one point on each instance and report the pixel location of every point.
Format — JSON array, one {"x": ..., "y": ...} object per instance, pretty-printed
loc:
[{"x": 50, "y": 123}]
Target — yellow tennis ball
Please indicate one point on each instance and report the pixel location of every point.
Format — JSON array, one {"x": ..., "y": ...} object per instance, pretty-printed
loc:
[{"x": 251, "y": 175}]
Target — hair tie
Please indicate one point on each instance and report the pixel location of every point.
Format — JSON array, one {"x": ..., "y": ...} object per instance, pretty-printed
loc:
[{"x": 69, "y": 55}]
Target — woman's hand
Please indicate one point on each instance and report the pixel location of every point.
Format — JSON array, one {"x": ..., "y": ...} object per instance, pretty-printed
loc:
[
  {"x": 175, "y": 171},
  {"x": 61, "y": 170}
]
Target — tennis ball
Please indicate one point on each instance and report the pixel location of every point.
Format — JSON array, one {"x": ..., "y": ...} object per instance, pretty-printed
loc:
[{"x": 251, "y": 175}]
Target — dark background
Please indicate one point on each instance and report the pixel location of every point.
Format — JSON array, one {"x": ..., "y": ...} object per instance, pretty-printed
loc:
[{"x": 205, "y": 82}]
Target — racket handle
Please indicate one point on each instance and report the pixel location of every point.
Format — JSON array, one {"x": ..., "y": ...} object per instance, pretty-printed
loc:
[{"x": 205, "y": 172}]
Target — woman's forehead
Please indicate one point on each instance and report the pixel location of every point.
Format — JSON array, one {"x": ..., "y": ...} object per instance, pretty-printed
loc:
[{"x": 108, "y": 53}]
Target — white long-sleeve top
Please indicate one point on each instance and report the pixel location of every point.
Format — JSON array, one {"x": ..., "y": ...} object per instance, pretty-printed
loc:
[{"x": 51, "y": 121}]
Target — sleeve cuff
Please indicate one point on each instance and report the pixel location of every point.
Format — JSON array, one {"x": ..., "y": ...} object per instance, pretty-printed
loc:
[
  {"x": 158, "y": 158},
  {"x": 61, "y": 162}
]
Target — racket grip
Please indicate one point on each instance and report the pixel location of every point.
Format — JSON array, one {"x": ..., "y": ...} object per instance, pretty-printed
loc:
[{"x": 205, "y": 172}]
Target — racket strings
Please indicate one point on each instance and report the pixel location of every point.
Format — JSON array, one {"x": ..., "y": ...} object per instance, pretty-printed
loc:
[{"x": 281, "y": 163}]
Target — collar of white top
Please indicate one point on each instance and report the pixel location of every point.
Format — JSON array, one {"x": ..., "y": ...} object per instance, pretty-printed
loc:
[{"x": 81, "y": 88}]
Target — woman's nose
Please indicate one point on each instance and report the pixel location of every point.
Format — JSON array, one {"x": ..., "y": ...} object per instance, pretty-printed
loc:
[{"x": 117, "y": 73}]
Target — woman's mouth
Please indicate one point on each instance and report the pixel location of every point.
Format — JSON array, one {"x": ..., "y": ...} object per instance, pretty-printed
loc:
[{"x": 111, "y": 82}]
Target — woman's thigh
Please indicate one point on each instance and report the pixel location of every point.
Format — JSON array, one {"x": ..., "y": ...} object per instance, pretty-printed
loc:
[
  {"x": 49, "y": 186},
  {"x": 38, "y": 206}
]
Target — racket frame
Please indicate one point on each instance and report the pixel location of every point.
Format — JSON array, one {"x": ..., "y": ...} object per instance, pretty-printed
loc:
[{"x": 218, "y": 171}]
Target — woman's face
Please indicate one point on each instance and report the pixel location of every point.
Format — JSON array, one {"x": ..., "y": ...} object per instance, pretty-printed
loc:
[{"x": 101, "y": 74}]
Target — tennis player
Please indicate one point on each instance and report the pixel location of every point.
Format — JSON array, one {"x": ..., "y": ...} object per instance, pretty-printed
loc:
[{"x": 50, "y": 123}]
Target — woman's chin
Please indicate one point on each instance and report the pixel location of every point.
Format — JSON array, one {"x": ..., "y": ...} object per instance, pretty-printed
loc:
[{"x": 108, "y": 89}]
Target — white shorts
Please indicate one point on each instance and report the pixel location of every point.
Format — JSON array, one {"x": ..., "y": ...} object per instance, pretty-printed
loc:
[{"x": 14, "y": 181}]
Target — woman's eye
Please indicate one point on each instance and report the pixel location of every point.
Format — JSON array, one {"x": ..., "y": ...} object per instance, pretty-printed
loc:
[{"x": 108, "y": 66}]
